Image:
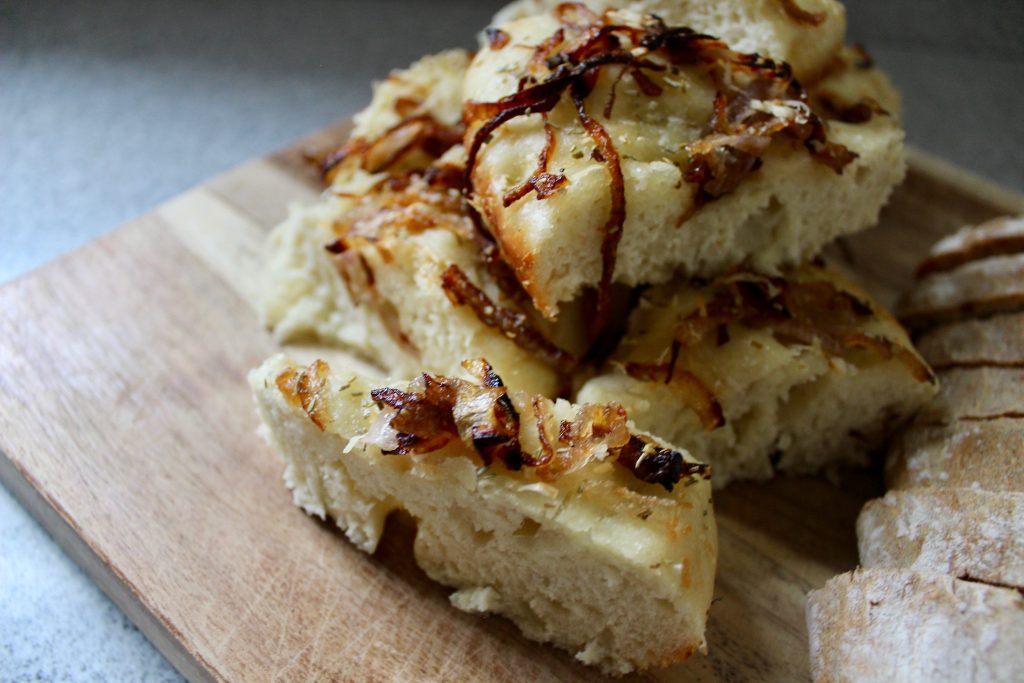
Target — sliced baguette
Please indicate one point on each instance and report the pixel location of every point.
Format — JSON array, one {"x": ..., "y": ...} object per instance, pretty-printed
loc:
[
  {"x": 977, "y": 394},
  {"x": 986, "y": 454},
  {"x": 976, "y": 288},
  {"x": 364, "y": 267},
  {"x": 997, "y": 237},
  {"x": 995, "y": 341},
  {"x": 580, "y": 552},
  {"x": 976, "y": 535},
  {"x": 900, "y": 626}
]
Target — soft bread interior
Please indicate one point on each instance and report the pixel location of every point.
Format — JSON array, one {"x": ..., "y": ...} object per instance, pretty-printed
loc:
[
  {"x": 791, "y": 407},
  {"x": 619, "y": 572}
]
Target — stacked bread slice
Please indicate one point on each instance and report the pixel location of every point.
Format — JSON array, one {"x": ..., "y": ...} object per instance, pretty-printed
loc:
[
  {"x": 591, "y": 169},
  {"x": 581, "y": 529},
  {"x": 617, "y": 203},
  {"x": 943, "y": 551}
]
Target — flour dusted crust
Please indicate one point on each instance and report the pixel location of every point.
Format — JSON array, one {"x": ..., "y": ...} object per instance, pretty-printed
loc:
[
  {"x": 903, "y": 626},
  {"x": 977, "y": 535},
  {"x": 808, "y": 42},
  {"x": 976, "y": 288},
  {"x": 981, "y": 454},
  {"x": 591, "y": 558},
  {"x": 976, "y": 394},
  {"x": 957, "y": 511},
  {"x": 780, "y": 214},
  {"x": 1000, "y": 236},
  {"x": 995, "y": 341},
  {"x": 786, "y": 405}
]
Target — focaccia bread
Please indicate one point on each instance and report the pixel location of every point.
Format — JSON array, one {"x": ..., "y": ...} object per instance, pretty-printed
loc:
[
  {"x": 898, "y": 626},
  {"x": 393, "y": 271},
  {"x": 967, "y": 534},
  {"x": 566, "y": 519},
  {"x": 804, "y": 33},
  {"x": 390, "y": 263},
  {"x": 614, "y": 148},
  {"x": 413, "y": 118},
  {"x": 755, "y": 374}
]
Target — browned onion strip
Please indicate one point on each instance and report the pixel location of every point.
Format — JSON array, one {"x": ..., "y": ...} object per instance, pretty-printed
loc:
[
  {"x": 498, "y": 435},
  {"x": 537, "y": 99},
  {"x": 448, "y": 409},
  {"x": 514, "y": 325},
  {"x": 802, "y": 16},
  {"x": 541, "y": 415},
  {"x": 695, "y": 394},
  {"x": 611, "y": 233},
  {"x": 885, "y": 349},
  {"x": 859, "y": 112},
  {"x": 656, "y": 465},
  {"x": 304, "y": 388},
  {"x": 796, "y": 312},
  {"x": 421, "y": 131},
  {"x": 543, "y": 182}
]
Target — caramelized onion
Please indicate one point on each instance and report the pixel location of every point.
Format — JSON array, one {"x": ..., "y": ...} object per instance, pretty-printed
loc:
[
  {"x": 658, "y": 465},
  {"x": 694, "y": 393},
  {"x": 305, "y": 388},
  {"x": 796, "y": 313},
  {"x": 436, "y": 411},
  {"x": 513, "y": 324},
  {"x": 544, "y": 183},
  {"x": 416, "y": 132}
]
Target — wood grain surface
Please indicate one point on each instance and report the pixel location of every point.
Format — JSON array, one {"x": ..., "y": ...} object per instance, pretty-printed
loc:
[{"x": 127, "y": 429}]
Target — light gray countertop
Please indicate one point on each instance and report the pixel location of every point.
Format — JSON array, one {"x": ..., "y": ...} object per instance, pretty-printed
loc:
[{"x": 106, "y": 109}]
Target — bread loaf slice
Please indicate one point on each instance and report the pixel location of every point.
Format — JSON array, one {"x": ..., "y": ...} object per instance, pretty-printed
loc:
[
  {"x": 982, "y": 454},
  {"x": 755, "y": 374},
  {"x": 640, "y": 181},
  {"x": 582, "y": 530},
  {"x": 900, "y": 626},
  {"x": 997, "y": 237},
  {"x": 976, "y": 288},
  {"x": 976, "y": 394},
  {"x": 967, "y": 534},
  {"x": 997, "y": 341}
]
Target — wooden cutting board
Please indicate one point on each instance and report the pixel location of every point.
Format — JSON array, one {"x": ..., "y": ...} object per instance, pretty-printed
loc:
[{"x": 128, "y": 431}]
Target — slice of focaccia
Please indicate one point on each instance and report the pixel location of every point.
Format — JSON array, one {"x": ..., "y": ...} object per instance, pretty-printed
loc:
[
  {"x": 898, "y": 626},
  {"x": 615, "y": 148},
  {"x": 584, "y": 531},
  {"x": 967, "y": 534},
  {"x": 753, "y": 373},
  {"x": 390, "y": 262}
]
